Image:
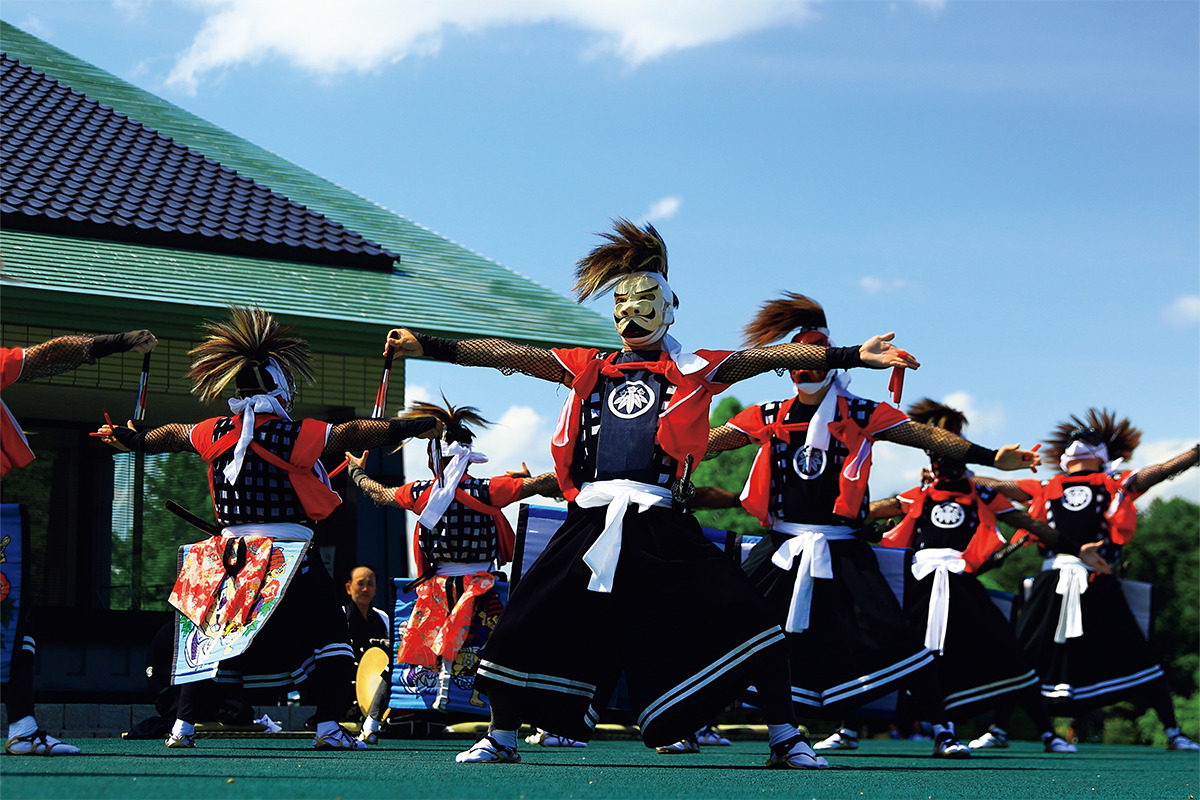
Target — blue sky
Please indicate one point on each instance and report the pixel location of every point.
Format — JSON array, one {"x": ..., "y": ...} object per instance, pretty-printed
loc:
[{"x": 1012, "y": 187}]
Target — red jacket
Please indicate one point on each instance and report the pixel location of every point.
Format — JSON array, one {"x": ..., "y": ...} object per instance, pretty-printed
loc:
[
  {"x": 854, "y": 475},
  {"x": 14, "y": 449},
  {"x": 682, "y": 426},
  {"x": 317, "y": 498},
  {"x": 984, "y": 542},
  {"x": 503, "y": 491}
]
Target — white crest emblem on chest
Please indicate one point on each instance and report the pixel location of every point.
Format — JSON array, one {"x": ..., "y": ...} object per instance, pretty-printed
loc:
[
  {"x": 1077, "y": 498},
  {"x": 947, "y": 515},
  {"x": 630, "y": 399},
  {"x": 808, "y": 462}
]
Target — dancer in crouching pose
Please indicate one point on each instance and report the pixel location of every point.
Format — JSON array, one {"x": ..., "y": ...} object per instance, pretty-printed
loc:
[
  {"x": 951, "y": 524},
  {"x": 268, "y": 485},
  {"x": 20, "y": 364},
  {"x": 461, "y": 534},
  {"x": 846, "y": 632},
  {"x": 603, "y": 594},
  {"x": 1077, "y": 626}
]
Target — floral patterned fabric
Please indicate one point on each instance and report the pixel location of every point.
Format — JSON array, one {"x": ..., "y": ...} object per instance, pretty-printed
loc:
[
  {"x": 203, "y": 571},
  {"x": 435, "y": 630}
]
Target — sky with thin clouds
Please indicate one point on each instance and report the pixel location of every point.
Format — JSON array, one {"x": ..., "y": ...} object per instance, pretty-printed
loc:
[{"x": 1010, "y": 187}]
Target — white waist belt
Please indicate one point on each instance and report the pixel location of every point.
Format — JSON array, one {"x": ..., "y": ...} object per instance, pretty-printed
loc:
[
  {"x": 811, "y": 544},
  {"x": 940, "y": 561},
  {"x": 280, "y": 531},
  {"x": 1072, "y": 583},
  {"x": 601, "y": 558}
]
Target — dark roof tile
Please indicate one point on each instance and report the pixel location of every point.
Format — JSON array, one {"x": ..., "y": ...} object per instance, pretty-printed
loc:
[{"x": 83, "y": 165}]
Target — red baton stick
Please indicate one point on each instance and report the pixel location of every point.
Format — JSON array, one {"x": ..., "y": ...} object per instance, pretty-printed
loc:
[{"x": 380, "y": 401}]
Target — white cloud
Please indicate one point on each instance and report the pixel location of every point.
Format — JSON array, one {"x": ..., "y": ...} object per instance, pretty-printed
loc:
[
  {"x": 873, "y": 285},
  {"x": 1183, "y": 312},
  {"x": 666, "y": 208},
  {"x": 982, "y": 418},
  {"x": 364, "y": 35}
]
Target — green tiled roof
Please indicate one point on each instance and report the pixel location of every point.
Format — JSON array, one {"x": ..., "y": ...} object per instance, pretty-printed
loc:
[{"x": 439, "y": 286}]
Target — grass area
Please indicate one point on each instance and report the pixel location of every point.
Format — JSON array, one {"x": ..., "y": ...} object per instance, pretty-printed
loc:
[{"x": 265, "y": 768}]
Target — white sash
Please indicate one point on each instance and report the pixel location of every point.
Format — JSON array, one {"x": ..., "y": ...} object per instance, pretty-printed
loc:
[
  {"x": 601, "y": 558},
  {"x": 811, "y": 544},
  {"x": 1072, "y": 583},
  {"x": 462, "y": 456},
  {"x": 940, "y": 561}
]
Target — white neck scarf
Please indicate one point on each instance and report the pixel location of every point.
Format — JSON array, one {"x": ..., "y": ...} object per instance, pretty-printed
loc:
[
  {"x": 248, "y": 406},
  {"x": 461, "y": 457}
]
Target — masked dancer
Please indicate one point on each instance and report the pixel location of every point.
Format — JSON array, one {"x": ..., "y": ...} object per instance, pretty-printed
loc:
[
  {"x": 267, "y": 485},
  {"x": 950, "y": 523},
  {"x": 20, "y": 364},
  {"x": 606, "y": 591},
  {"x": 462, "y": 535},
  {"x": 1077, "y": 626},
  {"x": 846, "y": 631}
]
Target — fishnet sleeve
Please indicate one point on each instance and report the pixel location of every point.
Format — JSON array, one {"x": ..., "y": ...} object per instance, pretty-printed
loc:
[
  {"x": 1010, "y": 489},
  {"x": 724, "y": 437},
  {"x": 367, "y": 434},
  {"x": 1045, "y": 534},
  {"x": 1146, "y": 477},
  {"x": 501, "y": 354},
  {"x": 544, "y": 485},
  {"x": 757, "y": 360},
  {"x": 378, "y": 493},
  {"x": 172, "y": 438},
  {"x": 56, "y": 356},
  {"x": 938, "y": 441}
]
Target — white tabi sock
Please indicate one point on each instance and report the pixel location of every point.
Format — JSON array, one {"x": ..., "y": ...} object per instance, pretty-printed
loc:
[
  {"x": 22, "y": 727},
  {"x": 371, "y": 725},
  {"x": 181, "y": 728},
  {"x": 939, "y": 728},
  {"x": 506, "y": 738},
  {"x": 780, "y": 733}
]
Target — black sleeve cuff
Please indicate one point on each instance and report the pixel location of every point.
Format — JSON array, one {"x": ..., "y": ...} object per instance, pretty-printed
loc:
[
  {"x": 401, "y": 429},
  {"x": 843, "y": 357},
  {"x": 130, "y": 438},
  {"x": 980, "y": 455},
  {"x": 437, "y": 348}
]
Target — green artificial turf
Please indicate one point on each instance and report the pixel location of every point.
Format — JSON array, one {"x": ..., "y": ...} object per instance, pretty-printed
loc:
[{"x": 266, "y": 769}]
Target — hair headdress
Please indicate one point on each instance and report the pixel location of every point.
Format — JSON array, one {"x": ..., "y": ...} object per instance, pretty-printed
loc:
[
  {"x": 1098, "y": 427},
  {"x": 629, "y": 250},
  {"x": 779, "y": 317},
  {"x": 454, "y": 419},
  {"x": 243, "y": 349},
  {"x": 939, "y": 415}
]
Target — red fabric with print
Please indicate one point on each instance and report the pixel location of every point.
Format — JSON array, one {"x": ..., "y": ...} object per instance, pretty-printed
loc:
[
  {"x": 682, "y": 426},
  {"x": 852, "y": 487},
  {"x": 195, "y": 589},
  {"x": 318, "y": 500},
  {"x": 434, "y": 629},
  {"x": 14, "y": 449},
  {"x": 984, "y": 542}
]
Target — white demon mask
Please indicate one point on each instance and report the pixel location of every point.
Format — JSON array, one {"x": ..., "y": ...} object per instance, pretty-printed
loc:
[{"x": 643, "y": 308}]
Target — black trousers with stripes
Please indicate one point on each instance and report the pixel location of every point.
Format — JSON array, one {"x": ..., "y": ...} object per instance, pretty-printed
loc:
[{"x": 683, "y": 623}]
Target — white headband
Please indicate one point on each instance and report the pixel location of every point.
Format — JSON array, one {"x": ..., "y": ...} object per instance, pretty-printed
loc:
[{"x": 1079, "y": 450}]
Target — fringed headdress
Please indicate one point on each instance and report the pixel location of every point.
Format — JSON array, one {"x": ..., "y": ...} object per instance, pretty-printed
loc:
[
  {"x": 1099, "y": 435},
  {"x": 788, "y": 314},
  {"x": 454, "y": 419},
  {"x": 253, "y": 351},
  {"x": 458, "y": 438},
  {"x": 939, "y": 415},
  {"x": 931, "y": 412},
  {"x": 630, "y": 250},
  {"x": 262, "y": 359}
]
